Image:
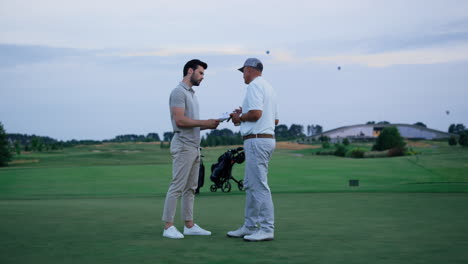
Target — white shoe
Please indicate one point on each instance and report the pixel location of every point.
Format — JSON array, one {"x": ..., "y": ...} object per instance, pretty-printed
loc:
[
  {"x": 172, "y": 232},
  {"x": 241, "y": 232},
  {"x": 260, "y": 235},
  {"x": 195, "y": 230}
]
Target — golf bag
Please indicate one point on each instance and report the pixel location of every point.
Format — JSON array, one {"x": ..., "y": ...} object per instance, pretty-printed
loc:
[
  {"x": 221, "y": 172},
  {"x": 201, "y": 175}
]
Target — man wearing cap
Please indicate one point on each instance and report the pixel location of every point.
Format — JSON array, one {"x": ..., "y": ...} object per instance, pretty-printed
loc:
[
  {"x": 185, "y": 150},
  {"x": 257, "y": 117}
]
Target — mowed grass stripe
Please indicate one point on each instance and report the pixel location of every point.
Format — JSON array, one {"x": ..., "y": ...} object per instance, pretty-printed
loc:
[{"x": 320, "y": 227}]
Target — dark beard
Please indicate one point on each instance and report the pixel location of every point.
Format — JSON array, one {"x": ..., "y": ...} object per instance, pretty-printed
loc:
[{"x": 194, "y": 82}]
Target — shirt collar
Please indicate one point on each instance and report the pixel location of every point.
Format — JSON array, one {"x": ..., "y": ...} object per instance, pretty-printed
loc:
[
  {"x": 256, "y": 78},
  {"x": 186, "y": 87}
]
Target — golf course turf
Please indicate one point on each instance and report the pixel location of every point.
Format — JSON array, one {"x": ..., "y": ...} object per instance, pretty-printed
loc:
[{"x": 103, "y": 204}]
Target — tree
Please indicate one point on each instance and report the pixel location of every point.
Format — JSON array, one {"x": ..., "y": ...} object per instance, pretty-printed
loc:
[
  {"x": 452, "y": 140},
  {"x": 383, "y": 123},
  {"x": 281, "y": 132},
  {"x": 153, "y": 137},
  {"x": 370, "y": 123},
  {"x": 17, "y": 148},
  {"x": 389, "y": 138},
  {"x": 37, "y": 144},
  {"x": 221, "y": 137},
  {"x": 323, "y": 138},
  {"x": 456, "y": 128},
  {"x": 346, "y": 142},
  {"x": 295, "y": 131},
  {"x": 5, "y": 154},
  {"x": 313, "y": 130},
  {"x": 463, "y": 139},
  {"x": 168, "y": 136},
  {"x": 420, "y": 124}
]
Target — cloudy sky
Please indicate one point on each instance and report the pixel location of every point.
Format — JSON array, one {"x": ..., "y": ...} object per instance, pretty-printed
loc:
[{"x": 96, "y": 69}]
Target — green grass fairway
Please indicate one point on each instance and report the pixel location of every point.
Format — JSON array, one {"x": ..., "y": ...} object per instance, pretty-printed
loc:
[
  {"x": 311, "y": 228},
  {"x": 103, "y": 204}
]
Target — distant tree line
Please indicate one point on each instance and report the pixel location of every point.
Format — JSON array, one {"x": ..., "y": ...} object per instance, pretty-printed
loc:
[
  {"x": 378, "y": 123},
  {"x": 33, "y": 143},
  {"x": 388, "y": 123},
  {"x": 223, "y": 137},
  {"x": 22, "y": 142},
  {"x": 151, "y": 137},
  {"x": 389, "y": 141},
  {"x": 283, "y": 133},
  {"x": 226, "y": 137}
]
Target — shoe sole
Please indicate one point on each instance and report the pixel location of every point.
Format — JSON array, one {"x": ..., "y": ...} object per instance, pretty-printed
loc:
[
  {"x": 260, "y": 240},
  {"x": 236, "y": 236},
  {"x": 242, "y": 236}
]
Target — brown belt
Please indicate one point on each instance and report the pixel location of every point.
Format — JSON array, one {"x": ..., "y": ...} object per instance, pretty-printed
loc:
[{"x": 258, "y": 136}]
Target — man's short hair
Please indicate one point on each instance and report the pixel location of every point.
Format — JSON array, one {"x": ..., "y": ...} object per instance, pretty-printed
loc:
[{"x": 193, "y": 64}]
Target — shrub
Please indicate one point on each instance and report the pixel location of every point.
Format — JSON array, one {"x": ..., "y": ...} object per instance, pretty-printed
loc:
[
  {"x": 325, "y": 152},
  {"x": 346, "y": 142},
  {"x": 323, "y": 138},
  {"x": 397, "y": 151},
  {"x": 325, "y": 144},
  {"x": 375, "y": 154},
  {"x": 356, "y": 153},
  {"x": 389, "y": 138},
  {"x": 340, "y": 150},
  {"x": 410, "y": 152},
  {"x": 452, "y": 141}
]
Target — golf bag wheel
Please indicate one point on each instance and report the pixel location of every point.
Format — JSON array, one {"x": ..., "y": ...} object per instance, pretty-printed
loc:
[
  {"x": 226, "y": 187},
  {"x": 240, "y": 185},
  {"x": 213, "y": 188}
]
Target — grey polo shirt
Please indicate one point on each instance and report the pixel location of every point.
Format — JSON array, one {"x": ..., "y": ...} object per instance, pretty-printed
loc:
[{"x": 184, "y": 97}]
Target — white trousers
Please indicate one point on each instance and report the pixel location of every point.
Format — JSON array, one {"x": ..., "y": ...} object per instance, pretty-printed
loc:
[{"x": 259, "y": 209}]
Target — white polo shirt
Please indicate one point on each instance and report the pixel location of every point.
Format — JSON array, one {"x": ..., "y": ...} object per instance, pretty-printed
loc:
[{"x": 260, "y": 96}]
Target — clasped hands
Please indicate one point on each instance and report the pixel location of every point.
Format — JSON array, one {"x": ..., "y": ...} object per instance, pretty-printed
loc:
[{"x": 235, "y": 116}]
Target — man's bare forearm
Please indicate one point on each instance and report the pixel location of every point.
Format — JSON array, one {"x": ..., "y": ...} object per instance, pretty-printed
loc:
[
  {"x": 186, "y": 122},
  {"x": 251, "y": 116}
]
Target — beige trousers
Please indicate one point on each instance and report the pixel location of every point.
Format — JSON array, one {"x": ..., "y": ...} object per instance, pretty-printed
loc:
[{"x": 185, "y": 167}]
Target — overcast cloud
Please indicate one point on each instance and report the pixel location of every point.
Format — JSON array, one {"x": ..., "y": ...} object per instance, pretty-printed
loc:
[{"x": 97, "y": 69}]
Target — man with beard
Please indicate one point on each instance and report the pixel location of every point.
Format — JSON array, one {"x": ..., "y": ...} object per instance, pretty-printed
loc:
[{"x": 185, "y": 151}]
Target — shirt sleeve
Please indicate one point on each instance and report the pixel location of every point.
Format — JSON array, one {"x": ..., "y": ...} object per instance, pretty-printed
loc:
[
  {"x": 254, "y": 98},
  {"x": 177, "y": 99}
]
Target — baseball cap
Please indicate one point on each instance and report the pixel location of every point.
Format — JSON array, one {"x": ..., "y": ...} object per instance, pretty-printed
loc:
[{"x": 252, "y": 62}]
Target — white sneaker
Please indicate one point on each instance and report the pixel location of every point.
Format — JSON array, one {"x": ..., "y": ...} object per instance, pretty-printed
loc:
[
  {"x": 172, "y": 232},
  {"x": 260, "y": 235},
  {"x": 195, "y": 230},
  {"x": 241, "y": 232}
]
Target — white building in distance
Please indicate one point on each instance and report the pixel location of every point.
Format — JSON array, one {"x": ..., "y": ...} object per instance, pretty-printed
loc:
[{"x": 372, "y": 131}]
